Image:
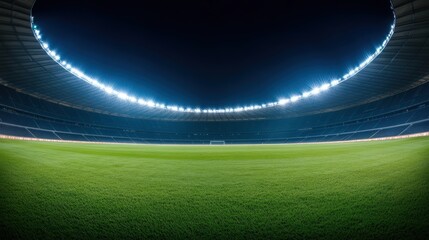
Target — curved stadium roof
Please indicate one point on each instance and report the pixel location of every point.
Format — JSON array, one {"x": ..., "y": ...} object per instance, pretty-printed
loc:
[{"x": 26, "y": 67}]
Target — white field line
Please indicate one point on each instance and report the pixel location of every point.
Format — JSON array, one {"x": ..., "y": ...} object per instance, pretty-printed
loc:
[{"x": 330, "y": 142}]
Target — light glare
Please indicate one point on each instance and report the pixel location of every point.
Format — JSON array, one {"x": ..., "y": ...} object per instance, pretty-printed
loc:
[{"x": 141, "y": 101}]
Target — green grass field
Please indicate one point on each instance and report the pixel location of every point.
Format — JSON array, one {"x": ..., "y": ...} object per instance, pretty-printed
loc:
[{"x": 366, "y": 190}]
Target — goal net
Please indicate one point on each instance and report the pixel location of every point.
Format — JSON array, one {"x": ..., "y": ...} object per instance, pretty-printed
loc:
[{"x": 217, "y": 142}]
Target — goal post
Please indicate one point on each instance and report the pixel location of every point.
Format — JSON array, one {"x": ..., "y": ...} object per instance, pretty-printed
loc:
[{"x": 217, "y": 142}]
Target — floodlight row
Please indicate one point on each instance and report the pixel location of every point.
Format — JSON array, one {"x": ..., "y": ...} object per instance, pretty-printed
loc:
[{"x": 153, "y": 104}]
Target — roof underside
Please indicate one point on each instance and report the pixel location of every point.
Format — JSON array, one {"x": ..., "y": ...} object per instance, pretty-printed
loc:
[{"x": 27, "y": 68}]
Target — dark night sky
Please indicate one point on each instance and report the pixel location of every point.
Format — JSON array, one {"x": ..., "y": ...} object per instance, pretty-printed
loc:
[{"x": 217, "y": 52}]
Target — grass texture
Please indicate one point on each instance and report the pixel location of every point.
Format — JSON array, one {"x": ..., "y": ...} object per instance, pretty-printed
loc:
[{"x": 364, "y": 190}]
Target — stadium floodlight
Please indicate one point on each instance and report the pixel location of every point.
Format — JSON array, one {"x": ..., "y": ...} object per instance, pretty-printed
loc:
[
  {"x": 98, "y": 84},
  {"x": 159, "y": 105},
  {"x": 368, "y": 60},
  {"x": 283, "y": 101},
  {"x": 90, "y": 80},
  {"x": 141, "y": 101},
  {"x": 150, "y": 103},
  {"x": 121, "y": 95},
  {"x": 54, "y": 55},
  {"x": 346, "y": 76},
  {"x": 325, "y": 86},
  {"x": 132, "y": 99},
  {"x": 379, "y": 50},
  {"x": 78, "y": 73},
  {"x": 315, "y": 91},
  {"x": 306, "y": 94},
  {"x": 109, "y": 90},
  {"x": 335, "y": 82},
  {"x": 295, "y": 98}
]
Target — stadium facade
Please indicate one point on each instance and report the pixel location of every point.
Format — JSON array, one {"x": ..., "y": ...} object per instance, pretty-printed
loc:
[{"x": 41, "y": 98}]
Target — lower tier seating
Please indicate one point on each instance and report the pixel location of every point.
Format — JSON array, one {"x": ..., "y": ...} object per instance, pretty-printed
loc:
[{"x": 373, "y": 120}]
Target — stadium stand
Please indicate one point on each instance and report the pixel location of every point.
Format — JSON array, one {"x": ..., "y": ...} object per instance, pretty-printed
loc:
[
  {"x": 404, "y": 113},
  {"x": 40, "y": 99}
]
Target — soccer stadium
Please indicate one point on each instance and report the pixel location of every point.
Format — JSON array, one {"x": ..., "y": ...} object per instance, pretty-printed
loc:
[{"x": 347, "y": 158}]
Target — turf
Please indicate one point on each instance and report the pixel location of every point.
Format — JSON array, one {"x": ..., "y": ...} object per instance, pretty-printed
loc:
[{"x": 365, "y": 190}]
